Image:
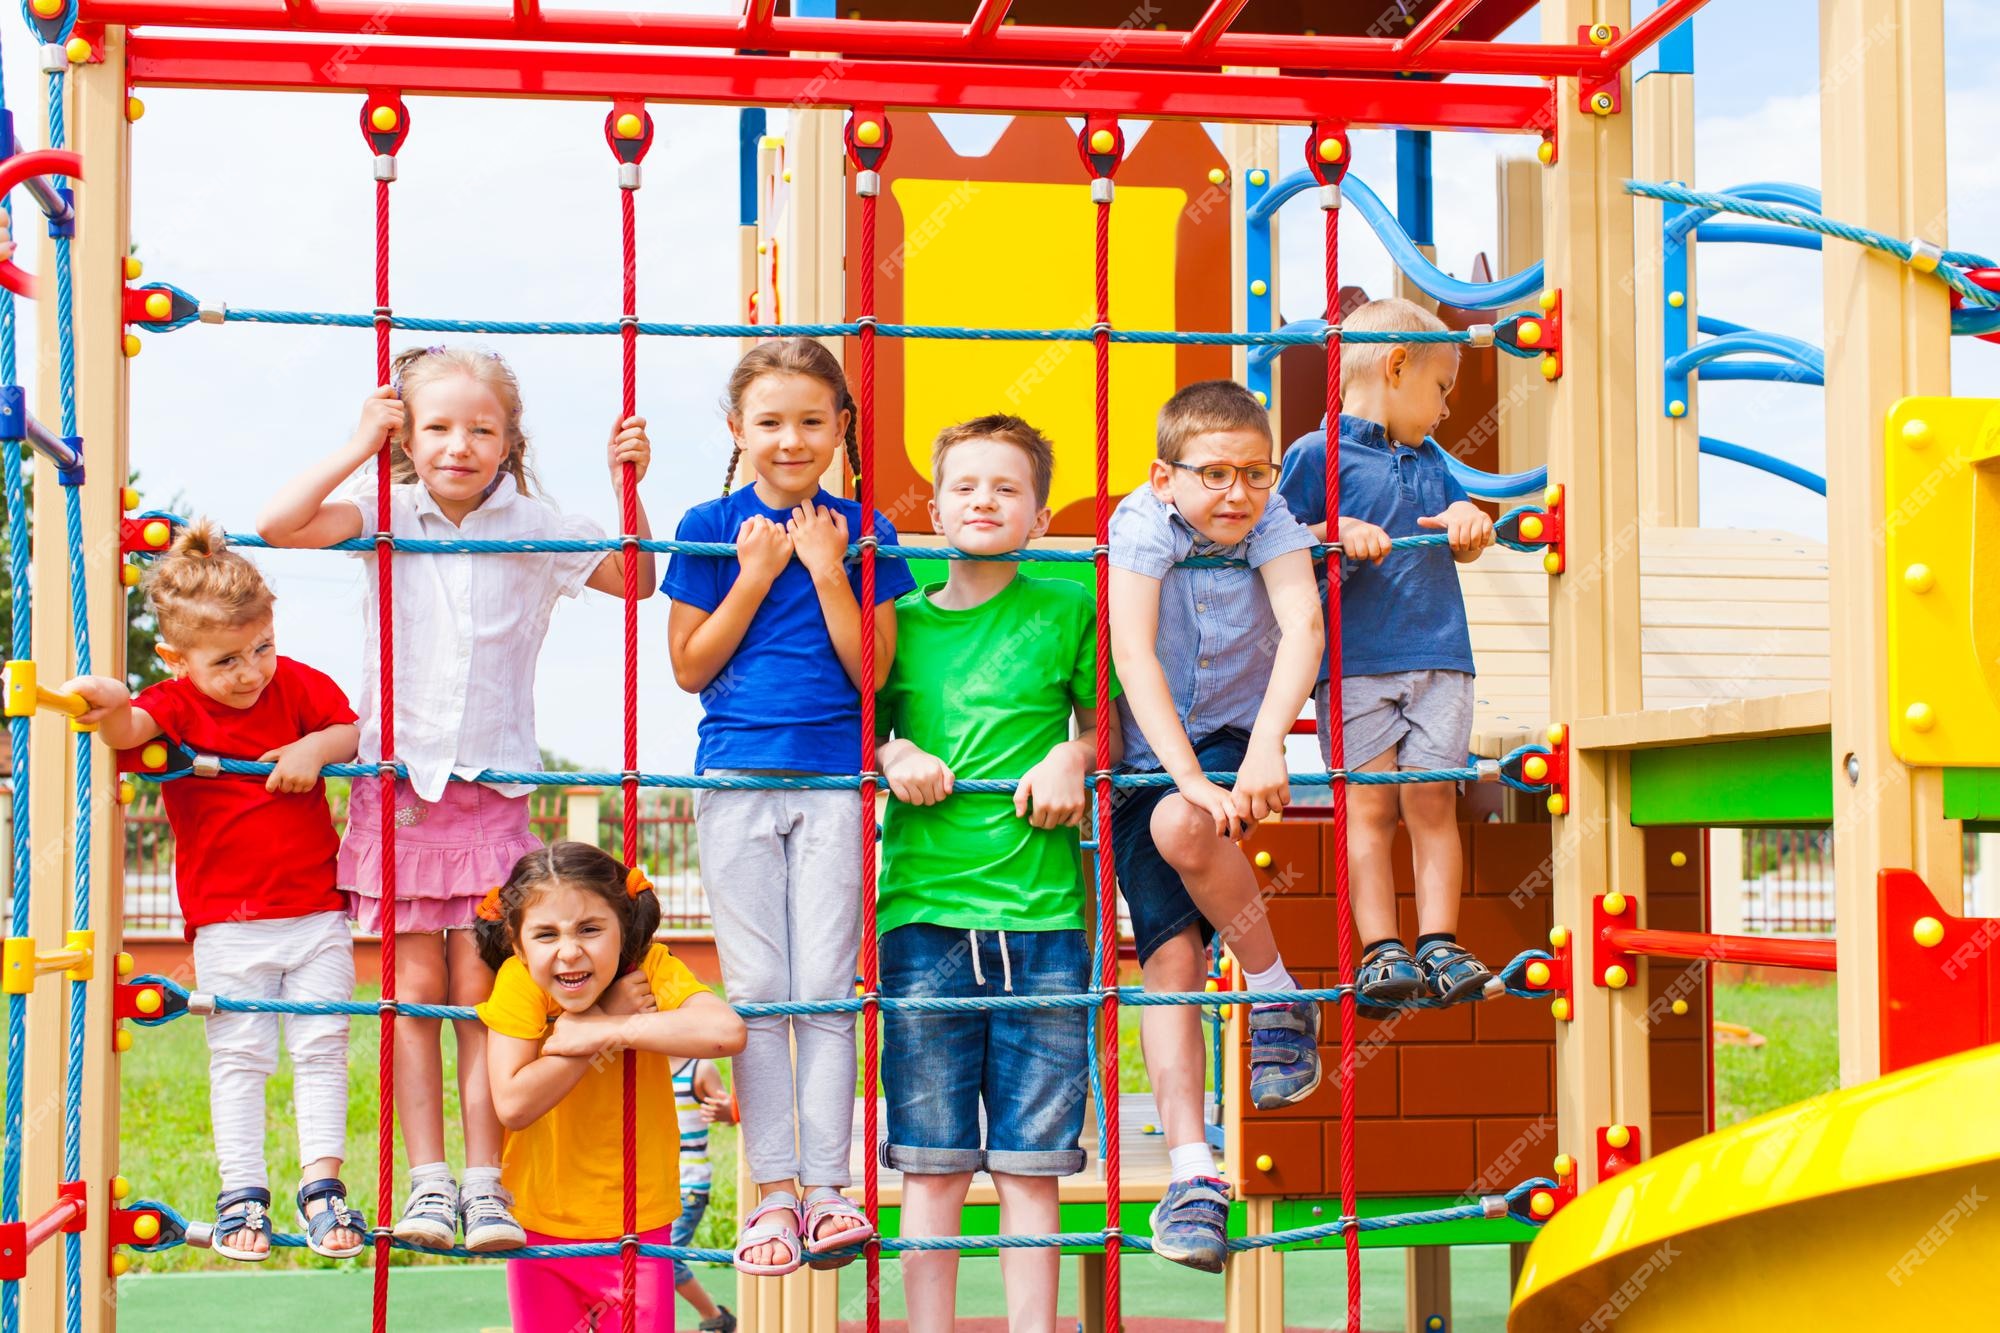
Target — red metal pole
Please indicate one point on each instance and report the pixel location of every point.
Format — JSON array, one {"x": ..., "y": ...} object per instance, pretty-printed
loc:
[
  {"x": 1648, "y": 30},
  {"x": 1434, "y": 25},
  {"x": 1702, "y": 946},
  {"x": 987, "y": 19},
  {"x": 53, "y": 1221},
  {"x": 1212, "y": 24}
]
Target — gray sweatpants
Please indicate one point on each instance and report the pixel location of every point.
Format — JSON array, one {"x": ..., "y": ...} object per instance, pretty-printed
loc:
[{"x": 783, "y": 873}]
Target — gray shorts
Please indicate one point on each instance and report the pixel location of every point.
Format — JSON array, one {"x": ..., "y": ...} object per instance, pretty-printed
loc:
[{"x": 1424, "y": 716}]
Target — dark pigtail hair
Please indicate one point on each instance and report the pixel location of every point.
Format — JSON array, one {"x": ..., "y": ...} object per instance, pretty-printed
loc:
[{"x": 497, "y": 927}]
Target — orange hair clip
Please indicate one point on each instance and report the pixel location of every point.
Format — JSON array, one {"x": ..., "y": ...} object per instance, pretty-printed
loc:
[
  {"x": 636, "y": 882},
  {"x": 489, "y": 908}
]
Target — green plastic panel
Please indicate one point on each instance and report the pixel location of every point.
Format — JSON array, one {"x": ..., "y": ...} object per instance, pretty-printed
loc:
[
  {"x": 1972, "y": 793},
  {"x": 1781, "y": 780}
]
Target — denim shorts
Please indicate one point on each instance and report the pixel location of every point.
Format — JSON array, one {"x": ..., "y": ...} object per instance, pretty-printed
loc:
[
  {"x": 694, "y": 1203},
  {"x": 1030, "y": 1067},
  {"x": 1154, "y": 896}
]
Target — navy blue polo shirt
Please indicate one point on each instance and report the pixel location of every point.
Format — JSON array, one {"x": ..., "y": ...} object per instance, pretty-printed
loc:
[
  {"x": 1405, "y": 614},
  {"x": 784, "y": 701}
]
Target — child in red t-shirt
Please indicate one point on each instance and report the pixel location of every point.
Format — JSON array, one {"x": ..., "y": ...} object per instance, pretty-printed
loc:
[{"x": 254, "y": 870}]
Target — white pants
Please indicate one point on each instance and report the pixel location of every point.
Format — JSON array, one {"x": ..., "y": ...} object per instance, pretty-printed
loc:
[{"x": 299, "y": 958}]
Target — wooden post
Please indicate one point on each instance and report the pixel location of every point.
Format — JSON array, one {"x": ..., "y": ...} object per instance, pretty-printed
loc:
[
  {"x": 1090, "y": 1292},
  {"x": 1601, "y": 1055},
  {"x": 581, "y": 805},
  {"x": 1669, "y": 447},
  {"x": 1725, "y": 881},
  {"x": 1522, "y": 413},
  {"x": 95, "y": 110},
  {"x": 1426, "y": 1286},
  {"x": 1887, "y": 337}
]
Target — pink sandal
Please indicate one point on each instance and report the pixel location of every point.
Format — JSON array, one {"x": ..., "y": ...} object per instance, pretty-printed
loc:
[
  {"x": 783, "y": 1227},
  {"x": 823, "y": 1202}
]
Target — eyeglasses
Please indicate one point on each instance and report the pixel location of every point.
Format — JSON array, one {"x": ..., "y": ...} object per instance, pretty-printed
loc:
[{"x": 1221, "y": 476}]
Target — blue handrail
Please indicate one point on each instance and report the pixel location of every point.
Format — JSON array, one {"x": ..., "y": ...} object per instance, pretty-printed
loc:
[{"x": 1763, "y": 462}]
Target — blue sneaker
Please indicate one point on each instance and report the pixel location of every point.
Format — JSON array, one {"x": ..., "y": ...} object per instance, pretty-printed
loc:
[
  {"x": 1388, "y": 976},
  {"x": 1451, "y": 972},
  {"x": 1188, "y": 1223},
  {"x": 1284, "y": 1053}
]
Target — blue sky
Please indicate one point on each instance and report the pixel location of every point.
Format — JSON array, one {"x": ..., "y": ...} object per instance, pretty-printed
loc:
[{"x": 510, "y": 209}]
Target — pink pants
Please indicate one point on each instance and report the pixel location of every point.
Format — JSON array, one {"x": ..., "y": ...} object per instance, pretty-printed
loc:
[{"x": 581, "y": 1295}]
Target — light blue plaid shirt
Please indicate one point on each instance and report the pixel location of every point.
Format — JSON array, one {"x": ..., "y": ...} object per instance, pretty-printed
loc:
[{"x": 1217, "y": 634}]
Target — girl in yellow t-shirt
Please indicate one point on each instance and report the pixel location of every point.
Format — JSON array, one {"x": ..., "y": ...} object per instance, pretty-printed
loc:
[{"x": 578, "y": 981}]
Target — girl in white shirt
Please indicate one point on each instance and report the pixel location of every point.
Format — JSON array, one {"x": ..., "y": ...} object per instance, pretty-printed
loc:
[{"x": 469, "y": 629}]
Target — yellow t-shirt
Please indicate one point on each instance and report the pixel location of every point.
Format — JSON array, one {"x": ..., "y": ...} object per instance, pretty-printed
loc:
[{"x": 566, "y": 1170}]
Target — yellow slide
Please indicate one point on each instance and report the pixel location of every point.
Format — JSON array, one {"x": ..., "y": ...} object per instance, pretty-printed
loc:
[{"x": 1872, "y": 1208}]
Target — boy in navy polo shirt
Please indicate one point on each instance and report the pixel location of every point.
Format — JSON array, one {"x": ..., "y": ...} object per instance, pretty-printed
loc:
[{"x": 1406, "y": 654}]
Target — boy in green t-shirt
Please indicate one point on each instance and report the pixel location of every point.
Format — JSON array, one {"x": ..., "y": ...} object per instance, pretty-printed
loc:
[{"x": 983, "y": 894}]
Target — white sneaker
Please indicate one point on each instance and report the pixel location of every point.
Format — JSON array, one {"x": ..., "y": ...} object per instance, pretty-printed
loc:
[
  {"x": 430, "y": 1217},
  {"x": 487, "y": 1222}
]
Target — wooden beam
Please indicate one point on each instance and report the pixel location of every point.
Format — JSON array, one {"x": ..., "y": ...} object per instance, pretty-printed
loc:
[{"x": 1522, "y": 411}]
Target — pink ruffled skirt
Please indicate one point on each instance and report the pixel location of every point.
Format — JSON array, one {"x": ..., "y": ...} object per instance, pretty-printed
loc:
[{"x": 449, "y": 852}]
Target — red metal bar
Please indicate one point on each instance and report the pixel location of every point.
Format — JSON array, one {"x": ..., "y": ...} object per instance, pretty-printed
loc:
[
  {"x": 1432, "y": 29},
  {"x": 679, "y": 78},
  {"x": 1212, "y": 24},
  {"x": 18, "y": 1240},
  {"x": 1703, "y": 946},
  {"x": 988, "y": 19},
  {"x": 908, "y": 39},
  {"x": 757, "y": 15},
  {"x": 1649, "y": 30}
]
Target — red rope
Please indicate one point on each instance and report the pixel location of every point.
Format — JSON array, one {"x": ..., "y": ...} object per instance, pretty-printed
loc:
[
  {"x": 628, "y": 504},
  {"x": 385, "y": 615},
  {"x": 1107, "y": 906},
  {"x": 871, "y": 1053},
  {"x": 1337, "y": 759}
]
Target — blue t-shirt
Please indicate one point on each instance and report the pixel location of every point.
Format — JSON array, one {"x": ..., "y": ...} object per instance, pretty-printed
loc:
[
  {"x": 1407, "y": 613},
  {"x": 783, "y": 701}
]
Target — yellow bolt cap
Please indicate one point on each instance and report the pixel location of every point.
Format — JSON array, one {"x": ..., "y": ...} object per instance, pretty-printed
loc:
[
  {"x": 1929, "y": 932},
  {"x": 1534, "y": 768},
  {"x": 1257, "y": 178},
  {"x": 1548, "y": 301},
  {"x": 121, "y": 1041},
  {"x": 1545, "y": 151},
  {"x": 120, "y": 1265},
  {"x": 1552, "y": 496},
  {"x": 156, "y": 532},
  {"x": 1216, "y": 175},
  {"x": 1677, "y": 408},
  {"x": 131, "y": 344},
  {"x": 1921, "y": 716},
  {"x": 383, "y": 118},
  {"x": 124, "y": 964},
  {"x": 1602, "y": 104},
  {"x": 134, "y": 108},
  {"x": 1918, "y": 578},
  {"x": 1564, "y": 1164},
  {"x": 1559, "y": 1008},
  {"x": 78, "y": 50},
  {"x": 47, "y": 9},
  {"x": 1330, "y": 149},
  {"x": 1618, "y": 1136},
  {"x": 1917, "y": 433},
  {"x": 1211, "y": 985},
  {"x": 1529, "y": 333},
  {"x": 1552, "y": 562},
  {"x": 126, "y": 791},
  {"x": 1557, "y": 733},
  {"x": 1264, "y": 1162},
  {"x": 1677, "y": 299},
  {"x": 1615, "y": 978},
  {"x": 1680, "y": 1006},
  {"x": 628, "y": 126},
  {"x": 1259, "y": 287},
  {"x": 1541, "y": 1203},
  {"x": 1531, "y": 527},
  {"x": 154, "y": 755},
  {"x": 1677, "y": 860},
  {"x": 121, "y": 1188},
  {"x": 868, "y": 133},
  {"x": 1263, "y": 399},
  {"x": 147, "y": 1002},
  {"x": 1558, "y": 936},
  {"x": 146, "y": 1226},
  {"x": 133, "y": 268},
  {"x": 1558, "y": 804},
  {"x": 159, "y": 305},
  {"x": 1102, "y": 141},
  {"x": 1538, "y": 974},
  {"x": 1551, "y": 367},
  {"x": 128, "y": 499},
  {"x": 1263, "y": 860},
  {"x": 129, "y": 574},
  {"x": 1614, "y": 904}
]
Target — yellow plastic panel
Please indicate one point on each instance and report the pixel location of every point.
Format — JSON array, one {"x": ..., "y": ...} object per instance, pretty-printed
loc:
[
  {"x": 1023, "y": 255},
  {"x": 1942, "y": 535}
]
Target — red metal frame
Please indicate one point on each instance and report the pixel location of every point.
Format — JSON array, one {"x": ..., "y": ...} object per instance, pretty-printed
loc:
[
  {"x": 205, "y": 62},
  {"x": 18, "y": 1240},
  {"x": 984, "y": 38},
  {"x": 1617, "y": 943},
  {"x": 1936, "y": 998}
]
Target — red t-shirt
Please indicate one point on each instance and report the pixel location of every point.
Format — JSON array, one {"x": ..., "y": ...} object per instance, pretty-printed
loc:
[{"x": 242, "y": 853}]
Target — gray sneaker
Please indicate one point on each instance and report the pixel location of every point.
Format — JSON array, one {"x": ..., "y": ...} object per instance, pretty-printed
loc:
[
  {"x": 487, "y": 1222},
  {"x": 430, "y": 1218}
]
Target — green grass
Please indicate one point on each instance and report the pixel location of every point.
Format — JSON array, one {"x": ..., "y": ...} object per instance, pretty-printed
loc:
[{"x": 1800, "y": 1057}]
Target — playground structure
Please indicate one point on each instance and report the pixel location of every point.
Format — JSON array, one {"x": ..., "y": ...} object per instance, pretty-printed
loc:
[{"x": 1630, "y": 764}]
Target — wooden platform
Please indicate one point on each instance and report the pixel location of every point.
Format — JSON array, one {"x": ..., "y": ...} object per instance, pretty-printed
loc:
[{"x": 1728, "y": 615}]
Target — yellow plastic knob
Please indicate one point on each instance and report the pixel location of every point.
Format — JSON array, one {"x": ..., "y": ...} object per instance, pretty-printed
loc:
[
  {"x": 46, "y": 9},
  {"x": 1558, "y": 803},
  {"x": 1600, "y": 34},
  {"x": 1211, "y": 985},
  {"x": 1531, "y": 527},
  {"x": 1677, "y": 299},
  {"x": 1564, "y": 1164},
  {"x": 1538, "y": 974},
  {"x": 131, "y": 344},
  {"x": 1618, "y": 1136},
  {"x": 1919, "y": 579},
  {"x": 147, "y": 1002},
  {"x": 1603, "y": 104},
  {"x": 1545, "y": 151},
  {"x": 1921, "y": 716},
  {"x": 159, "y": 305},
  {"x": 1614, "y": 904},
  {"x": 146, "y": 1226},
  {"x": 129, "y": 574},
  {"x": 128, "y": 498},
  {"x": 384, "y": 119},
  {"x": 124, "y": 964},
  {"x": 134, "y": 108},
  {"x": 1534, "y": 768},
  {"x": 1559, "y": 1008},
  {"x": 126, "y": 791},
  {"x": 121, "y": 1041},
  {"x": 1102, "y": 141},
  {"x": 1528, "y": 333},
  {"x": 1263, "y": 399},
  {"x": 1552, "y": 562},
  {"x": 1552, "y": 496},
  {"x": 1551, "y": 367},
  {"x": 78, "y": 50},
  {"x": 1263, "y": 860},
  {"x": 1929, "y": 932},
  {"x": 1615, "y": 977},
  {"x": 628, "y": 126},
  {"x": 154, "y": 755},
  {"x": 1558, "y": 937},
  {"x": 133, "y": 268},
  {"x": 1677, "y": 408},
  {"x": 1331, "y": 149},
  {"x": 1547, "y": 301},
  {"x": 1258, "y": 178},
  {"x": 1216, "y": 175},
  {"x": 868, "y": 133},
  {"x": 156, "y": 532},
  {"x": 1264, "y": 1162},
  {"x": 1677, "y": 860},
  {"x": 121, "y": 1188},
  {"x": 1541, "y": 1203},
  {"x": 1917, "y": 433},
  {"x": 1557, "y": 733},
  {"x": 1680, "y": 1007},
  {"x": 120, "y": 1265},
  {"x": 1259, "y": 287}
]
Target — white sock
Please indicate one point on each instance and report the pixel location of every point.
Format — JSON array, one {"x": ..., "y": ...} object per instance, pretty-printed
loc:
[
  {"x": 429, "y": 1171},
  {"x": 482, "y": 1180},
  {"x": 1190, "y": 1160},
  {"x": 1274, "y": 977}
]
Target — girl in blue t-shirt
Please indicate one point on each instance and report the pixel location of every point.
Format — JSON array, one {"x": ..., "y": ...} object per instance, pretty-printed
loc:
[{"x": 771, "y": 641}]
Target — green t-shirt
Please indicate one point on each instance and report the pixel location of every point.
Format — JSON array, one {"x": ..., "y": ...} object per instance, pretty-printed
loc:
[{"x": 990, "y": 691}]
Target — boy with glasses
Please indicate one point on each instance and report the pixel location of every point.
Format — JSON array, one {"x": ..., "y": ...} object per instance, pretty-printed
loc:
[{"x": 1216, "y": 662}]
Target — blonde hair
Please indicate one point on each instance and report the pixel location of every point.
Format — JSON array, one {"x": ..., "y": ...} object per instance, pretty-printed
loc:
[
  {"x": 1208, "y": 406},
  {"x": 1008, "y": 430},
  {"x": 200, "y": 586},
  {"x": 1391, "y": 314},
  {"x": 416, "y": 367},
  {"x": 789, "y": 356}
]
